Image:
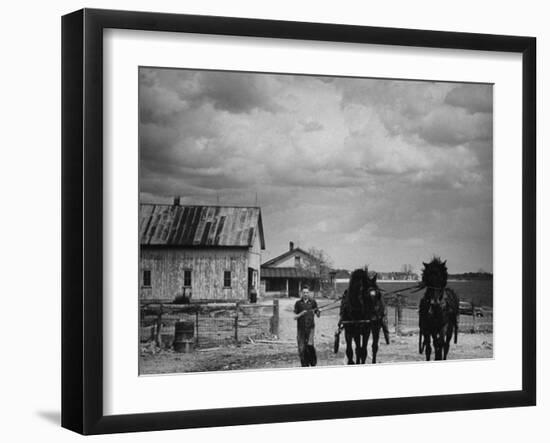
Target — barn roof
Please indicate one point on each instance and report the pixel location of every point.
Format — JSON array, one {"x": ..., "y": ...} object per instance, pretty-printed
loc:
[
  {"x": 287, "y": 273},
  {"x": 200, "y": 226}
]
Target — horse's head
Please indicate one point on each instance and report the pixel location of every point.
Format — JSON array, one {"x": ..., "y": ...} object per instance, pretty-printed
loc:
[
  {"x": 374, "y": 294},
  {"x": 434, "y": 274},
  {"x": 357, "y": 289},
  {"x": 373, "y": 291},
  {"x": 358, "y": 283}
]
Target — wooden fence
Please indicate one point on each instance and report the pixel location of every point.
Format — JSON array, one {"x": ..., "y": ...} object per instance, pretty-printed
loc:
[{"x": 215, "y": 324}]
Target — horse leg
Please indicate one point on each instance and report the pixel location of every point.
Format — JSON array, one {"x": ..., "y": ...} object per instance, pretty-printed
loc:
[
  {"x": 375, "y": 339},
  {"x": 358, "y": 348},
  {"x": 366, "y": 333},
  {"x": 438, "y": 345},
  {"x": 349, "y": 349},
  {"x": 448, "y": 338},
  {"x": 427, "y": 346}
]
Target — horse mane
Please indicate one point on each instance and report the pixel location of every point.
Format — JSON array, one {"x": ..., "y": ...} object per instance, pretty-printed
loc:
[
  {"x": 357, "y": 280},
  {"x": 434, "y": 274},
  {"x": 354, "y": 303}
]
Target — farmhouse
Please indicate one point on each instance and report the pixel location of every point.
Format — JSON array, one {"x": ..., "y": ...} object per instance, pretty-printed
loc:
[
  {"x": 199, "y": 252},
  {"x": 284, "y": 275}
]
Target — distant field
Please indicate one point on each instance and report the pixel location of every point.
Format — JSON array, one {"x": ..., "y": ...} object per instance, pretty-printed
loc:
[{"x": 480, "y": 292}]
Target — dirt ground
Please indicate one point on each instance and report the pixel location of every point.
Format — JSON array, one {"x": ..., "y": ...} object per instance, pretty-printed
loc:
[{"x": 282, "y": 353}]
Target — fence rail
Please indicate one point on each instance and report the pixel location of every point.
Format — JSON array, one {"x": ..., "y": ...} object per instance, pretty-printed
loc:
[
  {"x": 406, "y": 321},
  {"x": 214, "y": 323},
  {"x": 218, "y": 324}
]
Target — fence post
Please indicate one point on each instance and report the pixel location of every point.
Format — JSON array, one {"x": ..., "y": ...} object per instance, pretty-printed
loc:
[
  {"x": 275, "y": 318},
  {"x": 473, "y": 317},
  {"x": 158, "y": 339},
  {"x": 237, "y": 323},
  {"x": 197, "y": 326},
  {"x": 399, "y": 313},
  {"x": 396, "y": 316}
]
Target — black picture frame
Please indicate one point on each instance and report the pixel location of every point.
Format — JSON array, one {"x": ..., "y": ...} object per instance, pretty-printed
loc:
[{"x": 82, "y": 216}]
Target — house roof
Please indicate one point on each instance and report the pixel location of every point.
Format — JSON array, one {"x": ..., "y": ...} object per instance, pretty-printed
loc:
[
  {"x": 285, "y": 255},
  {"x": 203, "y": 226},
  {"x": 287, "y": 273}
]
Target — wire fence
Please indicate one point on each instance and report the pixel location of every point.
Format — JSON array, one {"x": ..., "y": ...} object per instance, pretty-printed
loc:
[
  {"x": 208, "y": 324},
  {"x": 228, "y": 323},
  {"x": 405, "y": 321}
]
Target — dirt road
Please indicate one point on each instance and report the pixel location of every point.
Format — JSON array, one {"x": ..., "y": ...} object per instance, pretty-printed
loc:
[{"x": 283, "y": 353}]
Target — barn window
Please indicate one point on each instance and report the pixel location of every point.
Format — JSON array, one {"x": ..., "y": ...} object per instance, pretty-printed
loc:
[
  {"x": 297, "y": 262},
  {"x": 187, "y": 278},
  {"x": 147, "y": 278},
  {"x": 227, "y": 279}
]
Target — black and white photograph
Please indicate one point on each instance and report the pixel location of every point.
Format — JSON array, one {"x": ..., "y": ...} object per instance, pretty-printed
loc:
[
  {"x": 300, "y": 220},
  {"x": 247, "y": 222}
]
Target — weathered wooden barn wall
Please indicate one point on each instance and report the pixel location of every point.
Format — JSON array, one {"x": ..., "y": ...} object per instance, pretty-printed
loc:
[
  {"x": 255, "y": 258},
  {"x": 167, "y": 266}
]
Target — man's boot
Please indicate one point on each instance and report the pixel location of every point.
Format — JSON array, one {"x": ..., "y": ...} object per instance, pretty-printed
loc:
[{"x": 312, "y": 356}]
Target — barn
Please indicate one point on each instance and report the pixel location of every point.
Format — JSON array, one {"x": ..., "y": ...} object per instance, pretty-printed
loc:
[
  {"x": 210, "y": 253},
  {"x": 284, "y": 275}
]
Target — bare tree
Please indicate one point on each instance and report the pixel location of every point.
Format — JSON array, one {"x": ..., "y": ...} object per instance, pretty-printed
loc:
[{"x": 322, "y": 263}]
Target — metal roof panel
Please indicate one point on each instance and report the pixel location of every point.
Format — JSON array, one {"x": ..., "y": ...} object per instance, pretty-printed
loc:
[{"x": 174, "y": 225}]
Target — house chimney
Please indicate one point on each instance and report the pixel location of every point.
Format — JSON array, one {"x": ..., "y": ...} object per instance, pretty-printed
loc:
[
  {"x": 291, "y": 246},
  {"x": 176, "y": 201}
]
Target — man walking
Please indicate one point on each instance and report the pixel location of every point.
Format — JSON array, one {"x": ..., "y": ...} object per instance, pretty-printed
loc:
[{"x": 305, "y": 310}]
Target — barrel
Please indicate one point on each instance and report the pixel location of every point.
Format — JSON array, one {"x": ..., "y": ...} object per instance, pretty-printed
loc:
[{"x": 184, "y": 336}]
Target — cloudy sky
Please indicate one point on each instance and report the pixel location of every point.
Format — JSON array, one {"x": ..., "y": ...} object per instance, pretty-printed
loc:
[{"x": 378, "y": 172}]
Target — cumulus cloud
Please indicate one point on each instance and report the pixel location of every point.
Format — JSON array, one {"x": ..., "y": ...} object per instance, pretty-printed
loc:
[
  {"x": 472, "y": 97},
  {"x": 332, "y": 161}
]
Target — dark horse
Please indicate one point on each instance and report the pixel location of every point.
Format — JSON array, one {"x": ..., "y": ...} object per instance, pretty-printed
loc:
[
  {"x": 438, "y": 311},
  {"x": 362, "y": 311}
]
